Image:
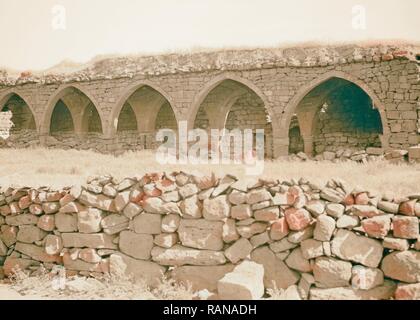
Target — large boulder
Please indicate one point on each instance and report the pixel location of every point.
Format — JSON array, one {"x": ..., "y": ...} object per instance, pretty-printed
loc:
[
  {"x": 330, "y": 272},
  {"x": 349, "y": 246},
  {"x": 143, "y": 271},
  {"x": 245, "y": 282},
  {"x": 276, "y": 273},
  {"x": 136, "y": 245},
  {"x": 402, "y": 265},
  {"x": 201, "y": 277}
]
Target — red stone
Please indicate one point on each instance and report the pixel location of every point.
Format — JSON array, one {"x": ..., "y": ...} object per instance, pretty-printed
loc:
[
  {"x": 377, "y": 227},
  {"x": 5, "y": 210},
  {"x": 408, "y": 208},
  {"x": 297, "y": 219},
  {"x": 405, "y": 227},
  {"x": 24, "y": 202},
  {"x": 387, "y": 57},
  {"x": 348, "y": 200}
]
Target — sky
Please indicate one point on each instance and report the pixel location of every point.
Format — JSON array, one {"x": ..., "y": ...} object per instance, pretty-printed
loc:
[{"x": 37, "y": 34}]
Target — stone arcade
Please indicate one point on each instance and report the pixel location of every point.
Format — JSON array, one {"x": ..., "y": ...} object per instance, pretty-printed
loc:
[{"x": 306, "y": 99}]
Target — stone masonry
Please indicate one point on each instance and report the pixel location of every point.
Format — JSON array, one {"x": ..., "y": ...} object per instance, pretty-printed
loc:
[
  {"x": 344, "y": 96},
  {"x": 234, "y": 238}
]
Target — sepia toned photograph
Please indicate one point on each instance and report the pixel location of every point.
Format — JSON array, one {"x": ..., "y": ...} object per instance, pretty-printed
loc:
[{"x": 209, "y": 150}]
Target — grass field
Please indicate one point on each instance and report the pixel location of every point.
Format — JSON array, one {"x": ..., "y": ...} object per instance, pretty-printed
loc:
[{"x": 58, "y": 168}]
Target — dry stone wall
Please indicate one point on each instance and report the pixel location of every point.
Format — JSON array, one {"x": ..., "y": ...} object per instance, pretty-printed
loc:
[{"x": 234, "y": 238}]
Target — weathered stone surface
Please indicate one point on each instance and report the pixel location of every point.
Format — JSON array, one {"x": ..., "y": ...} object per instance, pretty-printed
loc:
[
  {"x": 114, "y": 223},
  {"x": 395, "y": 244},
  {"x": 334, "y": 210},
  {"x": 315, "y": 207},
  {"x": 237, "y": 197},
  {"x": 97, "y": 201},
  {"x": 282, "y": 245},
  {"x": 387, "y": 206},
  {"x": 252, "y": 229},
  {"x": 179, "y": 255},
  {"x": 348, "y": 246},
  {"x": 377, "y": 227},
  {"x": 166, "y": 240},
  {"x": 245, "y": 282},
  {"x": 53, "y": 244},
  {"x": 267, "y": 214},
  {"x": 201, "y": 234},
  {"x": 366, "y": 278},
  {"x": 147, "y": 223},
  {"x": 170, "y": 223},
  {"x": 408, "y": 292},
  {"x": 260, "y": 239},
  {"x": 241, "y": 212},
  {"x": 330, "y": 272},
  {"x": 143, "y": 271},
  {"x": 136, "y": 245},
  {"x": 188, "y": 190},
  {"x": 297, "y": 219},
  {"x": 8, "y": 234},
  {"x": 50, "y": 207},
  {"x": 131, "y": 210},
  {"x": 121, "y": 200},
  {"x": 366, "y": 211},
  {"x": 21, "y": 219},
  {"x": 201, "y": 277},
  {"x": 311, "y": 248},
  {"x": 154, "y": 205},
  {"x": 46, "y": 222},
  {"x": 276, "y": 272},
  {"x": 89, "y": 255},
  {"x": 89, "y": 220},
  {"x": 402, "y": 265},
  {"x": 229, "y": 232},
  {"x": 66, "y": 222},
  {"x": 296, "y": 261},
  {"x": 239, "y": 250},
  {"x": 405, "y": 227},
  {"x": 324, "y": 228},
  {"x": 299, "y": 236},
  {"x": 88, "y": 240},
  {"x": 12, "y": 265},
  {"x": 383, "y": 292},
  {"x": 348, "y": 222},
  {"x": 36, "y": 253},
  {"x": 217, "y": 208},
  {"x": 331, "y": 195},
  {"x": 191, "y": 207},
  {"x": 279, "y": 229},
  {"x": 258, "y": 195},
  {"x": 30, "y": 234}
]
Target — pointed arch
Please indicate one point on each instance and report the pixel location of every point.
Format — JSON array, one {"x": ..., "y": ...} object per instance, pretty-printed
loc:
[
  {"x": 76, "y": 108},
  {"x": 162, "y": 99},
  {"x": 31, "y": 121},
  {"x": 306, "y": 115}
]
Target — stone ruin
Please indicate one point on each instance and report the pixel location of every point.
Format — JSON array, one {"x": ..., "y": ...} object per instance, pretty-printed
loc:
[
  {"x": 334, "y": 99},
  {"x": 234, "y": 238}
]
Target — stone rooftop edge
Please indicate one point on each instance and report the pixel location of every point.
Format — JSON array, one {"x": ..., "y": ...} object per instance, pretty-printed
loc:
[{"x": 129, "y": 66}]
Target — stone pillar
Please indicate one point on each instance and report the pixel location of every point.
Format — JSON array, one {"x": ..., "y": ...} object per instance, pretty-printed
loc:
[{"x": 308, "y": 144}]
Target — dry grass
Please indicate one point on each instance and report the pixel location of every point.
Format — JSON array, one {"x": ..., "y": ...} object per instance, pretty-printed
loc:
[
  {"x": 59, "y": 168},
  {"x": 44, "y": 285}
]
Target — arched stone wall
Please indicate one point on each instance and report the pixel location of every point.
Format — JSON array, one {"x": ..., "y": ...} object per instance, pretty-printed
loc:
[{"x": 306, "y": 115}]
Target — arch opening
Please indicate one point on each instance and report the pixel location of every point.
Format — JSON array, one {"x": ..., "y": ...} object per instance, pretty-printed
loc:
[
  {"x": 233, "y": 105},
  {"x": 18, "y": 121},
  {"x": 142, "y": 114},
  {"x": 337, "y": 115}
]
